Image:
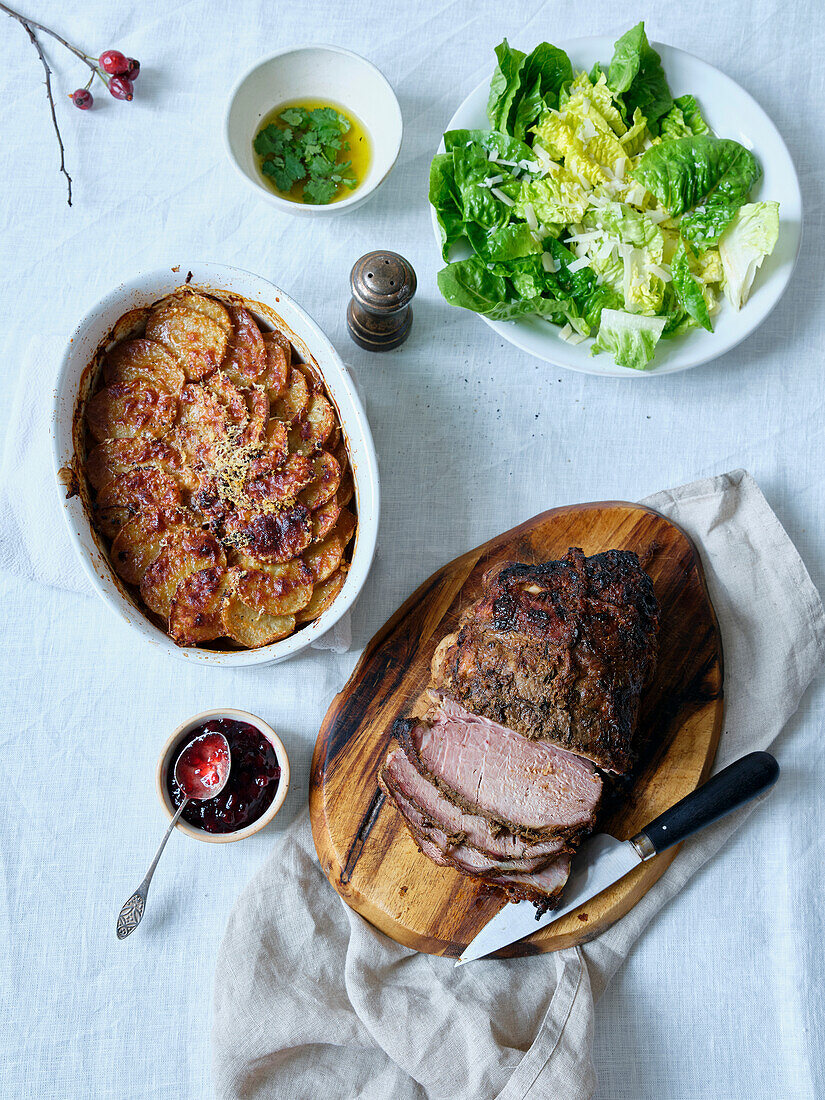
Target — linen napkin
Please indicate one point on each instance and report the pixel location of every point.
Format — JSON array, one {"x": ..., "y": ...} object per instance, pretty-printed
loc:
[
  {"x": 311, "y": 1000},
  {"x": 35, "y": 542}
]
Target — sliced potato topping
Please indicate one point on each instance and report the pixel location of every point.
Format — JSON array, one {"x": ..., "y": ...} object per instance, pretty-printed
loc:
[
  {"x": 245, "y": 357},
  {"x": 277, "y": 589},
  {"x": 203, "y": 303},
  {"x": 323, "y": 596},
  {"x": 194, "y": 338},
  {"x": 326, "y": 479},
  {"x": 126, "y": 409},
  {"x": 184, "y": 551},
  {"x": 325, "y": 518},
  {"x": 140, "y": 539},
  {"x": 293, "y": 400},
  {"x": 130, "y": 493},
  {"x": 197, "y": 606},
  {"x": 143, "y": 360},
  {"x": 114, "y": 457},
  {"x": 310, "y": 433},
  {"x": 278, "y": 362},
  {"x": 219, "y": 472}
]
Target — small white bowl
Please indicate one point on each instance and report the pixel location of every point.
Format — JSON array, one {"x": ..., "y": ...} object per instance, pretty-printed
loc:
[
  {"x": 182, "y": 734},
  {"x": 315, "y": 72},
  {"x": 274, "y": 306}
]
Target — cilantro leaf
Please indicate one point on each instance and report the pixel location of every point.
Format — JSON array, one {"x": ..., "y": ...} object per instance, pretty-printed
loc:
[
  {"x": 272, "y": 139},
  {"x": 319, "y": 191},
  {"x": 320, "y": 166},
  {"x": 284, "y": 170},
  {"x": 294, "y": 116}
]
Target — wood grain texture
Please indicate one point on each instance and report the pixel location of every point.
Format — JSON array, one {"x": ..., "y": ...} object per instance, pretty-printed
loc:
[{"x": 362, "y": 843}]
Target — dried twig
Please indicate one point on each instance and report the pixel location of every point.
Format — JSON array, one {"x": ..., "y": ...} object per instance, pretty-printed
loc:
[
  {"x": 48, "y": 72},
  {"x": 29, "y": 23}
]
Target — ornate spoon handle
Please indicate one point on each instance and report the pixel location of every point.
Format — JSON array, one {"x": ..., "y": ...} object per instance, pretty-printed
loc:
[{"x": 131, "y": 914}]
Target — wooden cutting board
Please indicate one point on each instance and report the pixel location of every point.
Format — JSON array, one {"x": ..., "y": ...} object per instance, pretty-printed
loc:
[{"x": 362, "y": 843}]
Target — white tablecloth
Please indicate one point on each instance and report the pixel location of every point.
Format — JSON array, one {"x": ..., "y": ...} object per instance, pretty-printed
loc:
[{"x": 722, "y": 998}]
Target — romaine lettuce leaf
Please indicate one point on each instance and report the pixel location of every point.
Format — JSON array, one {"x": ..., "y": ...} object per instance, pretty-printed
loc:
[
  {"x": 634, "y": 139},
  {"x": 676, "y": 320},
  {"x": 599, "y": 99},
  {"x": 494, "y": 143},
  {"x": 706, "y": 266},
  {"x": 544, "y": 73},
  {"x": 528, "y": 108},
  {"x": 511, "y": 242},
  {"x": 609, "y": 268},
  {"x": 470, "y": 284},
  {"x": 630, "y": 339},
  {"x": 637, "y": 75},
  {"x": 558, "y": 136},
  {"x": 681, "y": 173},
  {"x": 750, "y": 237},
  {"x": 523, "y": 85},
  {"x": 687, "y": 290},
  {"x": 641, "y": 245},
  {"x": 703, "y": 177},
  {"x": 683, "y": 119},
  {"x": 478, "y": 204},
  {"x": 584, "y": 297},
  {"x": 557, "y": 200},
  {"x": 445, "y": 200},
  {"x": 521, "y": 286},
  {"x": 504, "y": 85}
]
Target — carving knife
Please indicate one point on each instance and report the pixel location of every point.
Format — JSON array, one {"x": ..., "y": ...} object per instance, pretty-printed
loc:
[{"x": 603, "y": 860}]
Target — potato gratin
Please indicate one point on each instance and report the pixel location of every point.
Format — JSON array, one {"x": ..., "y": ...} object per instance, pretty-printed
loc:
[{"x": 219, "y": 473}]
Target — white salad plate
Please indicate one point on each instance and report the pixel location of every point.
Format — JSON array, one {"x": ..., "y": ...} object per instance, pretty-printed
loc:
[
  {"x": 731, "y": 113},
  {"x": 276, "y": 308}
]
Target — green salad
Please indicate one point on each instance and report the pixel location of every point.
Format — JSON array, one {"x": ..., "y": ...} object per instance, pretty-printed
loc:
[{"x": 598, "y": 202}]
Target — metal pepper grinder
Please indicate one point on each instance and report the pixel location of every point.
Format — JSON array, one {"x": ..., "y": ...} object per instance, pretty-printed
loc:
[{"x": 379, "y": 315}]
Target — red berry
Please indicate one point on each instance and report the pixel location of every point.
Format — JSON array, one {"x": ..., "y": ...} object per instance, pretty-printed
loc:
[
  {"x": 121, "y": 87},
  {"x": 113, "y": 62},
  {"x": 82, "y": 98},
  {"x": 133, "y": 70}
]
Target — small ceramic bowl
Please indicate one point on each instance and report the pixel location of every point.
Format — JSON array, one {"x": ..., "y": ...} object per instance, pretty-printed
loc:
[
  {"x": 315, "y": 72},
  {"x": 183, "y": 734}
]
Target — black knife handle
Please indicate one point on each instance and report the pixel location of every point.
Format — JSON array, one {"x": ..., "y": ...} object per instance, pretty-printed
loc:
[{"x": 735, "y": 785}]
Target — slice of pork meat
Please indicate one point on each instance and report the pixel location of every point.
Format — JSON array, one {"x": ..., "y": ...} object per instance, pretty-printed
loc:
[
  {"x": 401, "y": 780},
  {"x": 528, "y": 787},
  {"x": 454, "y": 846},
  {"x": 543, "y": 887}
]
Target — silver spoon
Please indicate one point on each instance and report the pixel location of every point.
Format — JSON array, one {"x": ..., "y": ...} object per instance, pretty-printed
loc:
[{"x": 201, "y": 771}]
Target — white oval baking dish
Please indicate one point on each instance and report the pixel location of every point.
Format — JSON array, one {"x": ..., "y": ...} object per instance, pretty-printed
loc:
[{"x": 271, "y": 304}]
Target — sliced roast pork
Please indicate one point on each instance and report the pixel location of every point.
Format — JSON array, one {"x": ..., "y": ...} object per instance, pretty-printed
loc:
[
  {"x": 559, "y": 651},
  {"x": 541, "y": 887},
  {"x": 466, "y": 840},
  {"x": 534, "y": 697},
  {"x": 524, "y": 786}
]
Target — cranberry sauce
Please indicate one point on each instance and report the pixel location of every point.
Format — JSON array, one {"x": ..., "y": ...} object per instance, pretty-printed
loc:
[
  {"x": 254, "y": 776},
  {"x": 203, "y": 766}
]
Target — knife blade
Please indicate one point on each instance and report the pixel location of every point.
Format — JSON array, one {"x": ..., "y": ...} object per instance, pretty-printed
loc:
[{"x": 603, "y": 860}]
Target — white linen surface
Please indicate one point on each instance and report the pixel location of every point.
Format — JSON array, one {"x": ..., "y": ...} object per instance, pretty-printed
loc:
[
  {"x": 307, "y": 993},
  {"x": 719, "y": 998}
]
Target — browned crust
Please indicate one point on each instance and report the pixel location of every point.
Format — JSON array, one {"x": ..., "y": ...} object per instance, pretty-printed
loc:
[{"x": 559, "y": 651}]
